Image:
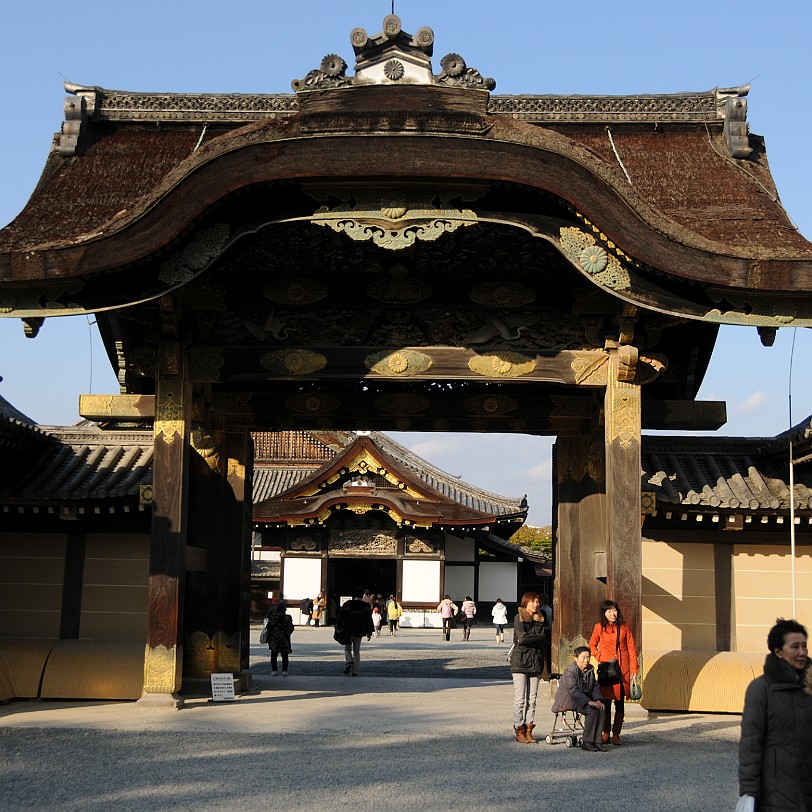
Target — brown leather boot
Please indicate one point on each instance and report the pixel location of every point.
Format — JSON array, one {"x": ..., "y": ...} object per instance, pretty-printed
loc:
[
  {"x": 521, "y": 734},
  {"x": 529, "y": 734}
]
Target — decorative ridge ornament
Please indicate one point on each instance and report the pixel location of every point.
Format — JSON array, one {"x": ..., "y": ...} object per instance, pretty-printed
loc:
[{"x": 392, "y": 57}]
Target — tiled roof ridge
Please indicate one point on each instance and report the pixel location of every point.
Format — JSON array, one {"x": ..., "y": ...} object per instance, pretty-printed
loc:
[
  {"x": 422, "y": 467},
  {"x": 13, "y": 415},
  {"x": 106, "y": 104}
]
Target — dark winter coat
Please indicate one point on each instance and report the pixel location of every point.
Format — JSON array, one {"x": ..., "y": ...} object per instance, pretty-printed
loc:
[
  {"x": 528, "y": 642},
  {"x": 775, "y": 707},
  {"x": 280, "y": 628},
  {"x": 576, "y": 689},
  {"x": 355, "y": 617},
  {"x": 806, "y": 746}
]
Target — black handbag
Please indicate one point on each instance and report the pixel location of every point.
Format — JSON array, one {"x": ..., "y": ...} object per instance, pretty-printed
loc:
[
  {"x": 609, "y": 672},
  {"x": 342, "y": 636}
]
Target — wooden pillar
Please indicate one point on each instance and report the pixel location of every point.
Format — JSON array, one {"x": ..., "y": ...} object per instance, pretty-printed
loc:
[
  {"x": 163, "y": 656},
  {"x": 622, "y": 433},
  {"x": 235, "y": 593},
  {"x": 218, "y": 583},
  {"x": 580, "y": 542}
]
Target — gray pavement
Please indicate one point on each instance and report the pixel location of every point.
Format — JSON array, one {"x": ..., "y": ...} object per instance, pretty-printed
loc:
[{"x": 427, "y": 726}]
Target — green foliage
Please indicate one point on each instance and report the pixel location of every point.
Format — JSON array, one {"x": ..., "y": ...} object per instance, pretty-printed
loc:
[{"x": 535, "y": 539}]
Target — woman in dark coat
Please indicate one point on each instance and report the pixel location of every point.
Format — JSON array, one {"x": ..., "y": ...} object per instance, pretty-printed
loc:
[
  {"x": 579, "y": 691},
  {"x": 775, "y": 709},
  {"x": 612, "y": 639},
  {"x": 526, "y": 663},
  {"x": 280, "y": 628},
  {"x": 806, "y": 746}
]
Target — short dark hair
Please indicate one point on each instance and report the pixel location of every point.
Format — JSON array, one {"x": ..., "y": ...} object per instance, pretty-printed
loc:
[
  {"x": 544, "y": 598},
  {"x": 468, "y": 597},
  {"x": 610, "y": 605},
  {"x": 580, "y": 650},
  {"x": 779, "y": 632}
]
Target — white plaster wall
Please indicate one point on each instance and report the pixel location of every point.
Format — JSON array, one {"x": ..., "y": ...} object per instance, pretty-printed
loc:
[
  {"x": 498, "y": 579},
  {"x": 457, "y": 549},
  {"x": 421, "y": 582},
  {"x": 459, "y": 582},
  {"x": 301, "y": 578}
]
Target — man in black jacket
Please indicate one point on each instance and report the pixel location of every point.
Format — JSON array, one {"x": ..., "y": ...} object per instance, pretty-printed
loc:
[{"x": 355, "y": 618}]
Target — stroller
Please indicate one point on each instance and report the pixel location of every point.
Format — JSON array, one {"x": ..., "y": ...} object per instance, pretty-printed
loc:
[{"x": 567, "y": 725}]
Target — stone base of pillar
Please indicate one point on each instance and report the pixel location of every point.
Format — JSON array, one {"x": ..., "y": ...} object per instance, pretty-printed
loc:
[{"x": 150, "y": 701}]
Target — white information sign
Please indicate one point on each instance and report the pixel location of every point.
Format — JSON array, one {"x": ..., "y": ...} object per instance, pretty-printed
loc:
[{"x": 222, "y": 687}]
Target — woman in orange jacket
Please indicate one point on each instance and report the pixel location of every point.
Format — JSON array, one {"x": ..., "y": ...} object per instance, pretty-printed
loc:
[{"x": 612, "y": 638}]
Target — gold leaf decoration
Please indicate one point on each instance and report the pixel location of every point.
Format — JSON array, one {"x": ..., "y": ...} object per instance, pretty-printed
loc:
[
  {"x": 502, "y": 294},
  {"x": 402, "y": 404},
  {"x": 295, "y": 291},
  {"x": 400, "y": 364},
  {"x": 293, "y": 362},
  {"x": 312, "y": 403},
  {"x": 491, "y": 404},
  {"x": 502, "y": 365}
]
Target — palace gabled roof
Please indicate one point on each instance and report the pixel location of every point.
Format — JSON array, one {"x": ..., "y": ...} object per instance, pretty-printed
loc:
[
  {"x": 673, "y": 185},
  {"x": 375, "y": 471},
  {"x": 80, "y": 463},
  {"x": 738, "y": 474}
]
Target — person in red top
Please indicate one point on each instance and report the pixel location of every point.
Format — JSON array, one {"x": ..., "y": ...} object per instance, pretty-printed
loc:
[{"x": 612, "y": 638}]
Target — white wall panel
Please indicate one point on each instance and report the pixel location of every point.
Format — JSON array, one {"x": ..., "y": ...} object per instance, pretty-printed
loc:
[
  {"x": 498, "y": 579},
  {"x": 421, "y": 582}
]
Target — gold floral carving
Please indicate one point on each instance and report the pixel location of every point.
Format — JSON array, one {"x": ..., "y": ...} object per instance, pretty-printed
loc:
[
  {"x": 184, "y": 265},
  {"x": 650, "y": 367},
  {"x": 312, "y": 403},
  {"x": 162, "y": 670},
  {"x": 369, "y": 542},
  {"x": 402, "y": 404},
  {"x": 293, "y": 362},
  {"x": 205, "y": 655},
  {"x": 623, "y": 415},
  {"x": 491, "y": 404},
  {"x": 603, "y": 266},
  {"x": 304, "y": 544},
  {"x": 627, "y": 363},
  {"x": 295, "y": 291},
  {"x": 399, "y": 288},
  {"x": 169, "y": 414},
  {"x": 205, "y": 364},
  {"x": 400, "y": 364},
  {"x": 391, "y": 221},
  {"x": 205, "y": 445},
  {"x": 420, "y": 546},
  {"x": 590, "y": 368},
  {"x": 502, "y": 365},
  {"x": 502, "y": 294}
]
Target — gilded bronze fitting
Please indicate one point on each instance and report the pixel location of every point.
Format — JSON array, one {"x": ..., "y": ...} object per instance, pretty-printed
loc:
[{"x": 502, "y": 365}]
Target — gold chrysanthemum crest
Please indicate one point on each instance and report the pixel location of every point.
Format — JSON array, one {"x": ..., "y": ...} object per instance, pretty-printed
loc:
[
  {"x": 502, "y": 365},
  {"x": 399, "y": 364}
]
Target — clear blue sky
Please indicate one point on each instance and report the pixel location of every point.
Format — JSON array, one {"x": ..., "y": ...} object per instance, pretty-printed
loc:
[{"x": 528, "y": 46}]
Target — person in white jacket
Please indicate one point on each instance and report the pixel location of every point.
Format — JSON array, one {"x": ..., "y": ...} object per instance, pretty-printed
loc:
[{"x": 500, "y": 620}]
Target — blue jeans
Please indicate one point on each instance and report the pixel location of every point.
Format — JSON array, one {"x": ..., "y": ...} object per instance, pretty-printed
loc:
[{"x": 525, "y": 690}]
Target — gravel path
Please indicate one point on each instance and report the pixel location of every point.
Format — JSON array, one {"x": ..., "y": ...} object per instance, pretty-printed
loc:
[{"x": 416, "y": 731}]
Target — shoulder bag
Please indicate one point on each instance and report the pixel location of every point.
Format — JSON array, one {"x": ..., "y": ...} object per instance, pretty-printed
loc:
[{"x": 609, "y": 672}]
